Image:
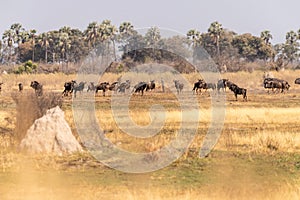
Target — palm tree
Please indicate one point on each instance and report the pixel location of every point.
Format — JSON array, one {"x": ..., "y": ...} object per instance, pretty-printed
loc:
[
  {"x": 108, "y": 31},
  {"x": 8, "y": 39},
  {"x": 266, "y": 36},
  {"x": 91, "y": 34},
  {"x": 291, "y": 37},
  {"x": 32, "y": 38},
  {"x": 126, "y": 31},
  {"x": 215, "y": 31},
  {"x": 126, "y": 28},
  {"x": 195, "y": 37},
  {"x": 64, "y": 44},
  {"x": 18, "y": 33},
  {"x": 44, "y": 40},
  {"x": 153, "y": 37}
]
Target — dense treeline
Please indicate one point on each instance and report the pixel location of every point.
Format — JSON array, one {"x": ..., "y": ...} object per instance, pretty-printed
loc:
[{"x": 68, "y": 45}]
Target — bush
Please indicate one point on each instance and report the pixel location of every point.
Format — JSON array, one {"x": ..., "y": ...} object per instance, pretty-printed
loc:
[{"x": 28, "y": 67}]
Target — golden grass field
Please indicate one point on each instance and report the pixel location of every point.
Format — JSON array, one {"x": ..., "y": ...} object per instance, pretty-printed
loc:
[{"x": 256, "y": 157}]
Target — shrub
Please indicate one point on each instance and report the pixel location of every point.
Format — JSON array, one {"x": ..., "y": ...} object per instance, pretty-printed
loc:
[{"x": 28, "y": 67}]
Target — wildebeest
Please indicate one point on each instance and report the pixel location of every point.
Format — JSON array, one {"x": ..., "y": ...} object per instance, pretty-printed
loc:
[
  {"x": 78, "y": 87},
  {"x": 222, "y": 83},
  {"x": 198, "y": 86},
  {"x": 275, "y": 83},
  {"x": 210, "y": 86},
  {"x": 113, "y": 86},
  {"x": 150, "y": 85},
  {"x": 69, "y": 86},
  {"x": 140, "y": 87},
  {"x": 179, "y": 86},
  {"x": 123, "y": 86},
  {"x": 102, "y": 86},
  {"x": 297, "y": 81},
  {"x": 238, "y": 91},
  {"x": 20, "y": 85},
  {"x": 1, "y": 86},
  {"x": 38, "y": 88},
  {"x": 91, "y": 87}
]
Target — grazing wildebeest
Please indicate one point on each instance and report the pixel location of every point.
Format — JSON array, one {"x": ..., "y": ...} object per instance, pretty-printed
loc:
[
  {"x": 140, "y": 87},
  {"x": 198, "y": 86},
  {"x": 222, "y": 83},
  {"x": 113, "y": 86},
  {"x": 178, "y": 86},
  {"x": 38, "y": 88},
  {"x": 297, "y": 81},
  {"x": 69, "y": 86},
  {"x": 102, "y": 86},
  {"x": 238, "y": 91},
  {"x": 1, "y": 86},
  {"x": 78, "y": 87},
  {"x": 275, "y": 83},
  {"x": 20, "y": 87},
  {"x": 124, "y": 86},
  {"x": 91, "y": 87},
  {"x": 150, "y": 85}
]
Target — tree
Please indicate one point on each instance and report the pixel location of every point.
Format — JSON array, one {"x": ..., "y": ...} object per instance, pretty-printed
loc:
[
  {"x": 44, "y": 40},
  {"x": 291, "y": 47},
  {"x": 32, "y": 38},
  {"x": 195, "y": 37},
  {"x": 252, "y": 47},
  {"x": 126, "y": 31},
  {"x": 266, "y": 36},
  {"x": 153, "y": 37},
  {"x": 91, "y": 34},
  {"x": 215, "y": 30},
  {"x": 8, "y": 40},
  {"x": 177, "y": 44},
  {"x": 108, "y": 32},
  {"x": 126, "y": 28}
]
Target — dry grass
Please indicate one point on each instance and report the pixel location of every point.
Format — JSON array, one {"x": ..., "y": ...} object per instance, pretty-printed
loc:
[{"x": 268, "y": 125}]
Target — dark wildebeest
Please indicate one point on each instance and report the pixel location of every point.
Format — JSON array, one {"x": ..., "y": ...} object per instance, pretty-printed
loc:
[
  {"x": 198, "y": 86},
  {"x": 78, "y": 87},
  {"x": 238, "y": 91},
  {"x": 222, "y": 83},
  {"x": 178, "y": 86},
  {"x": 150, "y": 85},
  {"x": 91, "y": 87},
  {"x": 1, "y": 86},
  {"x": 297, "y": 81},
  {"x": 140, "y": 87},
  {"x": 102, "y": 86},
  {"x": 275, "y": 83},
  {"x": 38, "y": 88},
  {"x": 113, "y": 86},
  {"x": 69, "y": 86},
  {"x": 124, "y": 86},
  {"x": 20, "y": 87}
]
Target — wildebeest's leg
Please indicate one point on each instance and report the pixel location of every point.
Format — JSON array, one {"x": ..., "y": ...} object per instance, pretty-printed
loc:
[
  {"x": 245, "y": 95},
  {"x": 104, "y": 92},
  {"x": 235, "y": 94}
]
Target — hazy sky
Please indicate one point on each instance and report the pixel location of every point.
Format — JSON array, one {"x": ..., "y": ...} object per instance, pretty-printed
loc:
[{"x": 254, "y": 16}]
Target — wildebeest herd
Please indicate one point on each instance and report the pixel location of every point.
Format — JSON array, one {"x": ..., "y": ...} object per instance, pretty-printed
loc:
[{"x": 72, "y": 87}]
